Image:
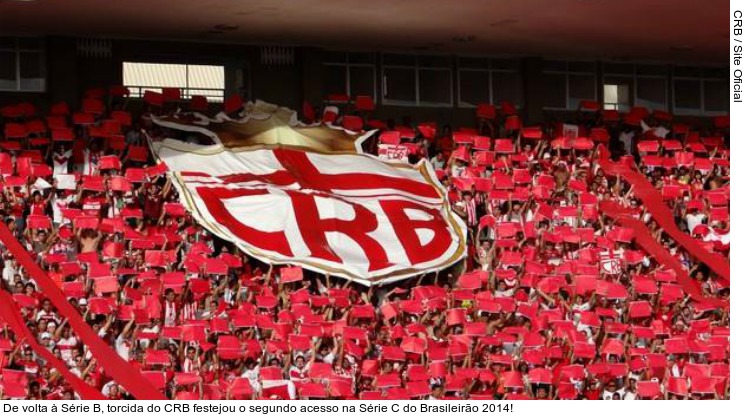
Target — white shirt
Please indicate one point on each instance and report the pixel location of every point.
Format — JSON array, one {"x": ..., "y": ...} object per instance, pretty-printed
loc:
[
  {"x": 67, "y": 347},
  {"x": 694, "y": 220},
  {"x": 329, "y": 358},
  {"x": 58, "y": 204},
  {"x": 659, "y": 131},
  {"x": 62, "y": 167},
  {"x": 607, "y": 395},
  {"x": 724, "y": 239},
  {"x": 122, "y": 347},
  {"x": 252, "y": 376},
  {"x": 506, "y": 293},
  {"x": 90, "y": 163},
  {"x": 8, "y": 273},
  {"x": 626, "y": 138}
]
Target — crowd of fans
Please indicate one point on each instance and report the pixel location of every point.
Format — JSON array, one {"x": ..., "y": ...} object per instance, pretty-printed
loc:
[{"x": 554, "y": 300}]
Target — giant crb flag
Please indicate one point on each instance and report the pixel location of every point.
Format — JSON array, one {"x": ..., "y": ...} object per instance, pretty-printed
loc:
[{"x": 288, "y": 193}]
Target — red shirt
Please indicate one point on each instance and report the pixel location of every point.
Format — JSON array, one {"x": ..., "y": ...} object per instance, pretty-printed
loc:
[{"x": 37, "y": 208}]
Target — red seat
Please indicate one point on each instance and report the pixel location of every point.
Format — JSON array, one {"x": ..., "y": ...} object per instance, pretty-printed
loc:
[
  {"x": 81, "y": 118},
  {"x": 124, "y": 118},
  {"x": 308, "y": 112},
  {"x": 56, "y": 122},
  {"x": 233, "y": 103},
  {"x": 27, "y": 110},
  {"x": 722, "y": 121},
  {"x": 94, "y": 106},
  {"x": 513, "y": 123},
  {"x": 390, "y": 138},
  {"x": 508, "y": 108},
  {"x": 11, "y": 112},
  {"x": 352, "y": 123},
  {"x": 330, "y": 114},
  {"x": 171, "y": 94},
  {"x": 153, "y": 98},
  {"x": 198, "y": 103},
  {"x": 589, "y": 105},
  {"x": 60, "y": 109},
  {"x": 15, "y": 131},
  {"x": 111, "y": 126},
  {"x": 610, "y": 115},
  {"x": 365, "y": 104},
  {"x": 36, "y": 126},
  {"x": 486, "y": 111},
  {"x": 119, "y": 91},
  {"x": 504, "y": 146}
]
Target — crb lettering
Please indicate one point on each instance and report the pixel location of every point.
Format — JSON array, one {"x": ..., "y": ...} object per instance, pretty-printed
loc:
[
  {"x": 176, "y": 407},
  {"x": 314, "y": 229},
  {"x": 214, "y": 198},
  {"x": 415, "y": 250},
  {"x": 405, "y": 218}
]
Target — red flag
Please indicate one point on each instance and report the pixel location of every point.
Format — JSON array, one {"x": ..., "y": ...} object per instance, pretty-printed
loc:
[{"x": 290, "y": 274}]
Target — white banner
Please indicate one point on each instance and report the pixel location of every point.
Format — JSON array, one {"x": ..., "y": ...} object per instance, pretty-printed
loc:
[
  {"x": 388, "y": 152},
  {"x": 286, "y": 193}
]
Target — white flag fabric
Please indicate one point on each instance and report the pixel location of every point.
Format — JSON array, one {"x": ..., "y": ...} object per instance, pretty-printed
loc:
[{"x": 343, "y": 213}]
